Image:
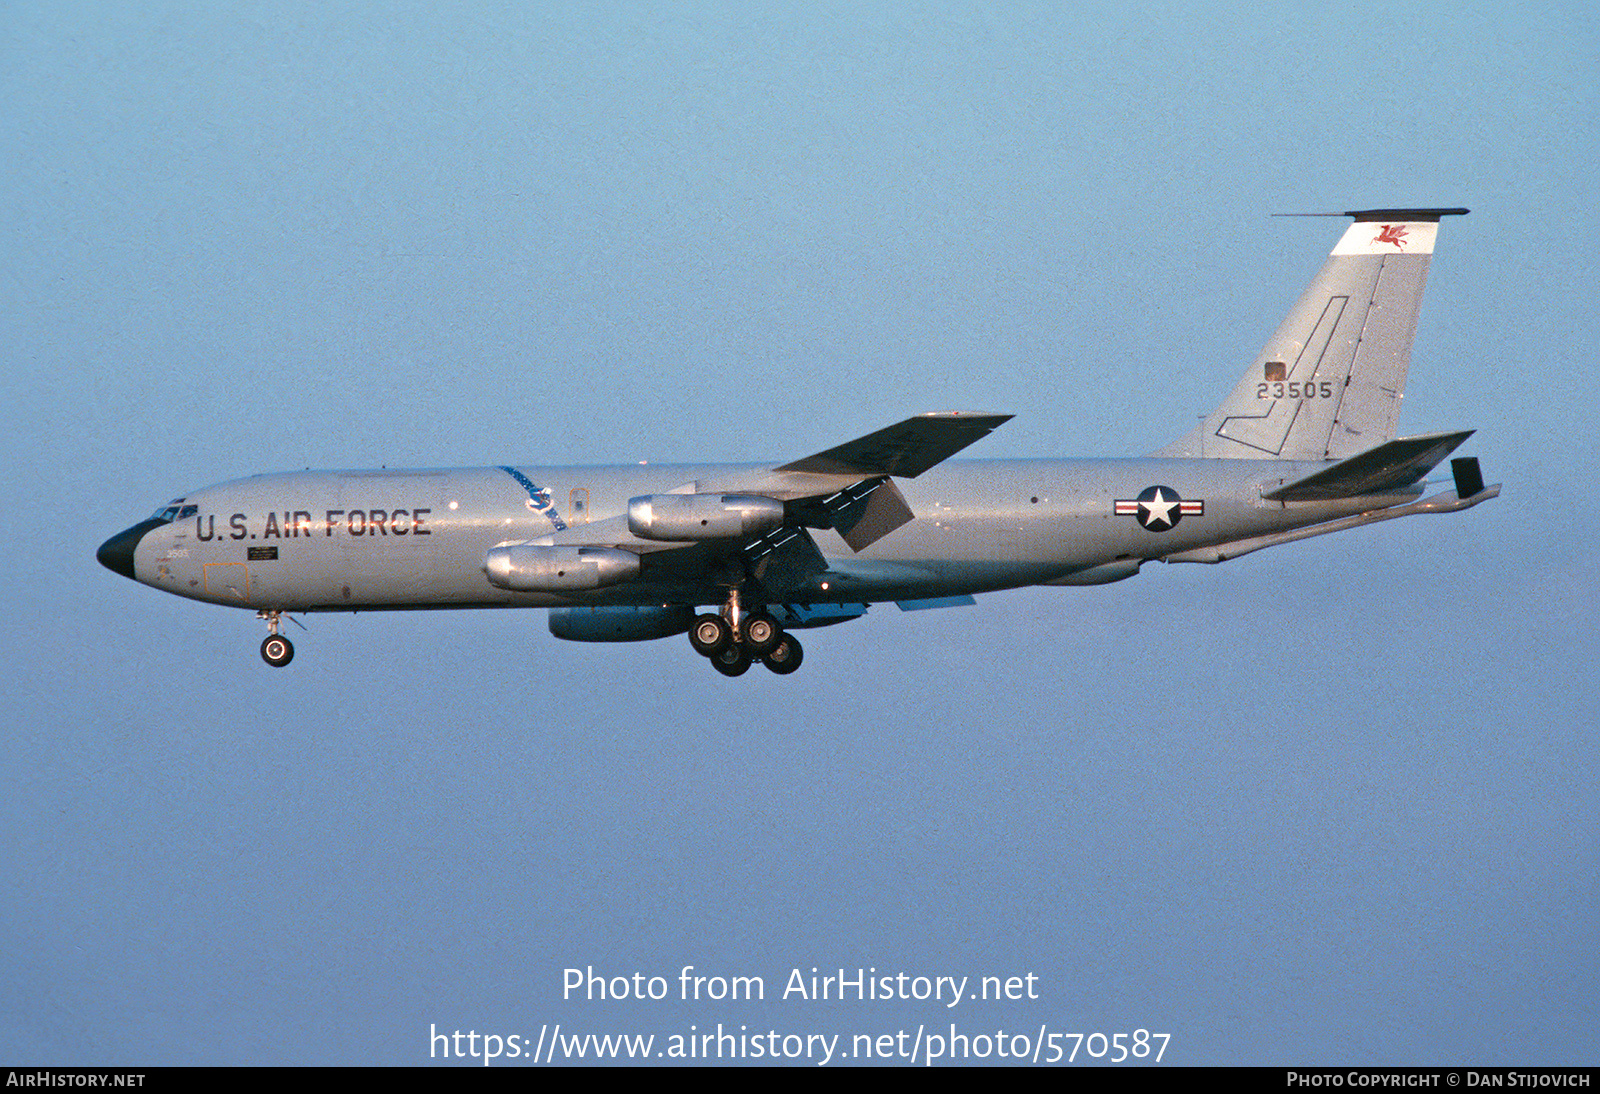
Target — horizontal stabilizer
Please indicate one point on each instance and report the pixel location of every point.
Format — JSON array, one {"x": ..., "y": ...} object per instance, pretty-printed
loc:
[
  {"x": 906, "y": 449},
  {"x": 1446, "y": 502},
  {"x": 1390, "y": 466}
]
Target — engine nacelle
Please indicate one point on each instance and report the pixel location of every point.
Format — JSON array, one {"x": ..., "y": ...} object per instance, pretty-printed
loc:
[
  {"x": 619, "y": 624},
  {"x": 526, "y": 567},
  {"x": 703, "y": 516}
]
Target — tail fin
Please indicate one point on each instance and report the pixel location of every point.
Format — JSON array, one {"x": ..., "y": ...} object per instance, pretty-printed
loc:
[{"x": 1329, "y": 383}]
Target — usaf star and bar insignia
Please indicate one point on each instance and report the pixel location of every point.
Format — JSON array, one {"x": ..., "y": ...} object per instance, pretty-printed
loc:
[{"x": 1159, "y": 508}]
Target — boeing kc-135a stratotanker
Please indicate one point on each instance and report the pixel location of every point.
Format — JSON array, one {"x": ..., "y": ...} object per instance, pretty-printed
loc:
[{"x": 1305, "y": 445}]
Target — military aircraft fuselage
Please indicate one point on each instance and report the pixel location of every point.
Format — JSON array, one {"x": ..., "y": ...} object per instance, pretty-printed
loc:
[
  {"x": 396, "y": 539},
  {"x": 1305, "y": 444}
]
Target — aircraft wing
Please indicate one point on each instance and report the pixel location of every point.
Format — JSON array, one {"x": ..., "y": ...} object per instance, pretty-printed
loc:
[
  {"x": 906, "y": 449},
  {"x": 848, "y": 488},
  {"x": 1389, "y": 466}
]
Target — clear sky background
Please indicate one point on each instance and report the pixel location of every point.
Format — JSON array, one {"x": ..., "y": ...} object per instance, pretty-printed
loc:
[{"x": 1333, "y": 803}]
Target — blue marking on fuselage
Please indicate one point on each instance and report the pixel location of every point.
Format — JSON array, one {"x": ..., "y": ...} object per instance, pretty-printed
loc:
[{"x": 538, "y": 496}]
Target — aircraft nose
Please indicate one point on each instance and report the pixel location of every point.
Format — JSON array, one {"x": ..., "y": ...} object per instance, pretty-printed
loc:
[{"x": 116, "y": 553}]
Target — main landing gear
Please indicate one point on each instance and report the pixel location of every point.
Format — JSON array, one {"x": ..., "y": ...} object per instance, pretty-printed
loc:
[
  {"x": 732, "y": 642},
  {"x": 276, "y": 649}
]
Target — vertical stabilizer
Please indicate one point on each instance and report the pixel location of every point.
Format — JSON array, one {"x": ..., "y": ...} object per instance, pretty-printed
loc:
[{"x": 1329, "y": 383}]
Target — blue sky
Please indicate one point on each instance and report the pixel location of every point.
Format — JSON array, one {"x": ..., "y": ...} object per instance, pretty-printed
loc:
[{"x": 1333, "y": 803}]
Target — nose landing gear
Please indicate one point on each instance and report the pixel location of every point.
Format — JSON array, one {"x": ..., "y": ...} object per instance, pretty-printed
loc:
[{"x": 276, "y": 649}]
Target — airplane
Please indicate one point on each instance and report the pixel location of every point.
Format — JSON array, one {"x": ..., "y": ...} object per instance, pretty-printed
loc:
[{"x": 741, "y": 557}]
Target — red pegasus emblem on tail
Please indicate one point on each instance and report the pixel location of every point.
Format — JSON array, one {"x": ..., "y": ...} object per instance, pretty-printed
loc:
[{"x": 1392, "y": 233}]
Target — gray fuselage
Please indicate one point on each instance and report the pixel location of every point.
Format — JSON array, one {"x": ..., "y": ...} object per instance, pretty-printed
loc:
[{"x": 365, "y": 540}]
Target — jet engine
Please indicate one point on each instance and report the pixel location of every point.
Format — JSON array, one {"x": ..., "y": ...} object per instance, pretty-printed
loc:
[
  {"x": 703, "y": 516},
  {"x": 527, "y": 567},
  {"x": 619, "y": 624}
]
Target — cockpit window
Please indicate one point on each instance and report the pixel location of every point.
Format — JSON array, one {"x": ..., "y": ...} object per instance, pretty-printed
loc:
[{"x": 174, "y": 510}]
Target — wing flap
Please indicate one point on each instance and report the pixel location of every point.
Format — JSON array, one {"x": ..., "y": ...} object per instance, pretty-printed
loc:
[
  {"x": 862, "y": 513},
  {"x": 784, "y": 560},
  {"x": 865, "y": 522}
]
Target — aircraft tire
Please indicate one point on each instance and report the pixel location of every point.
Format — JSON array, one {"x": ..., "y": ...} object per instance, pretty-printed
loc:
[
  {"x": 786, "y": 656},
  {"x": 732, "y": 661},
  {"x": 761, "y": 634},
  {"x": 710, "y": 635},
  {"x": 277, "y": 651}
]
